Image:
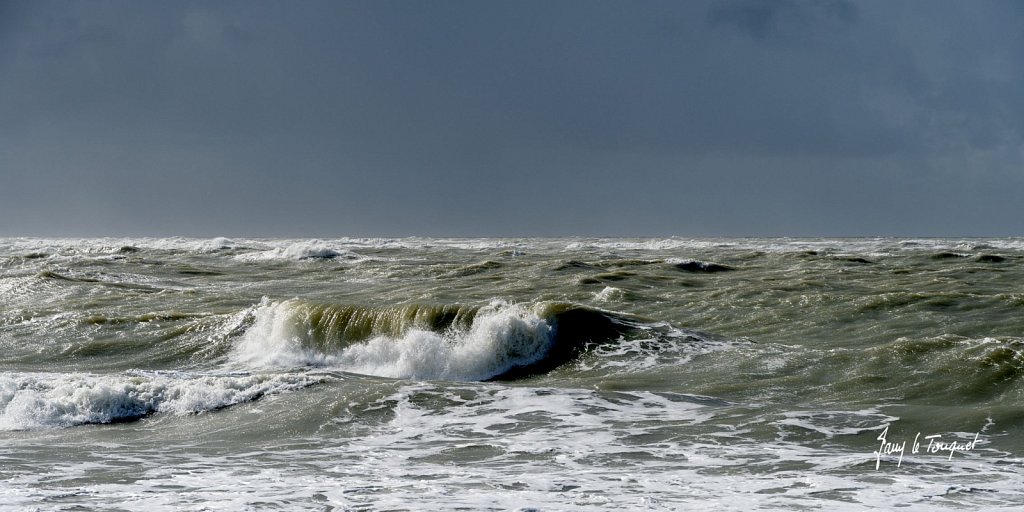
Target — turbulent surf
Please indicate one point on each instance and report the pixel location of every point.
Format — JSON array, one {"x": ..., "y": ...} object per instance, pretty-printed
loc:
[{"x": 532, "y": 374}]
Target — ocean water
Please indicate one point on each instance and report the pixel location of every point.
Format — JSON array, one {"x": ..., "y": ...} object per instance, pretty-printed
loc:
[{"x": 511, "y": 374}]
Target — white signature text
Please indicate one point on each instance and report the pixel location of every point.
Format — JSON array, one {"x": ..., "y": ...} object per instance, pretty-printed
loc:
[{"x": 935, "y": 444}]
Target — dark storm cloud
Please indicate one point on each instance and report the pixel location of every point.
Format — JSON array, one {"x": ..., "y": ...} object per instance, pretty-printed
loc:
[{"x": 727, "y": 117}]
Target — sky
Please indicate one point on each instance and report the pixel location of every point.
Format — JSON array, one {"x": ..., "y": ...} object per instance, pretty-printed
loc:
[{"x": 514, "y": 118}]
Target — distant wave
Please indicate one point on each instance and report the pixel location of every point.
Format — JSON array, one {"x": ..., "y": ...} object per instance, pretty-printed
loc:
[
  {"x": 269, "y": 250},
  {"x": 306, "y": 250}
]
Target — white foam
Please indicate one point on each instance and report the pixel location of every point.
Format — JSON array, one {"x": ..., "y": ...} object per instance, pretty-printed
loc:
[
  {"x": 501, "y": 337},
  {"x": 39, "y": 400},
  {"x": 664, "y": 347},
  {"x": 608, "y": 293},
  {"x": 836, "y": 423},
  {"x": 544, "y": 448},
  {"x": 276, "y": 336},
  {"x": 216, "y": 244}
]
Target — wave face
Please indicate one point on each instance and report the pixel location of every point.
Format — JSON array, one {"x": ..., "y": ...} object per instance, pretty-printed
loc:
[{"x": 499, "y": 341}]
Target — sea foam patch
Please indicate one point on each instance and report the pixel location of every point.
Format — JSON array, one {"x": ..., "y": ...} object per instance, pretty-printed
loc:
[{"x": 37, "y": 400}]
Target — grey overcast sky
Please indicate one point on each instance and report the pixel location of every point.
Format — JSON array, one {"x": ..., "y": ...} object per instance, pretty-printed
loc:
[{"x": 480, "y": 118}]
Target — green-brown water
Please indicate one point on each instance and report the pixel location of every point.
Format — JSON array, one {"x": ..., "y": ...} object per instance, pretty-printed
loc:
[{"x": 553, "y": 374}]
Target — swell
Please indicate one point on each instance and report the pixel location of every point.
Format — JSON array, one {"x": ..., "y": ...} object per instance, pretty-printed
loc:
[
  {"x": 946, "y": 370},
  {"x": 49, "y": 275},
  {"x": 984, "y": 369},
  {"x": 102, "y": 341}
]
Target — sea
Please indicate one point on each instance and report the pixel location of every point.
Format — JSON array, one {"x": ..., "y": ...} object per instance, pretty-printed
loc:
[{"x": 529, "y": 374}]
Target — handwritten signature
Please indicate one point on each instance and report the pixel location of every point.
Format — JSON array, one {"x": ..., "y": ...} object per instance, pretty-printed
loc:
[{"x": 935, "y": 445}]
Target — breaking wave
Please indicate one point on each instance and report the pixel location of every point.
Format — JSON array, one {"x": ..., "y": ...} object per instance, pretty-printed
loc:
[{"x": 498, "y": 341}]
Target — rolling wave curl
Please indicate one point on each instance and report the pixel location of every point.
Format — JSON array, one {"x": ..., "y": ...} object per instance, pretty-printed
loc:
[{"x": 499, "y": 341}]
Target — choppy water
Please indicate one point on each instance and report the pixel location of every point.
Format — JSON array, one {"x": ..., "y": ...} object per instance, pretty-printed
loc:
[{"x": 503, "y": 374}]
